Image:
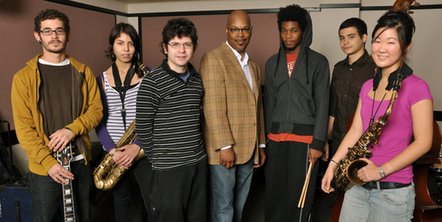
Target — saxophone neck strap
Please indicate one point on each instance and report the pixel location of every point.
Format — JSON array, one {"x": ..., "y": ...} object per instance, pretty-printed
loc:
[
  {"x": 122, "y": 88},
  {"x": 395, "y": 79}
]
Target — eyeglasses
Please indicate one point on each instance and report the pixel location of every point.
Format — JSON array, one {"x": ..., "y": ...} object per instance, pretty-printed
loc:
[
  {"x": 50, "y": 31},
  {"x": 176, "y": 45},
  {"x": 236, "y": 30}
]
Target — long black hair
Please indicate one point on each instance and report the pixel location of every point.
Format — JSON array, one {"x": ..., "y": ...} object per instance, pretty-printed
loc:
[{"x": 132, "y": 33}]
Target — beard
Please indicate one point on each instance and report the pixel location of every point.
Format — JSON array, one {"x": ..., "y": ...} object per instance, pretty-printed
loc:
[{"x": 47, "y": 47}]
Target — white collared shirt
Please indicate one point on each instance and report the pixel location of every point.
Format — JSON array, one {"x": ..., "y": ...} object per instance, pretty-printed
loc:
[
  {"x": 246, "y": 69},
  {"x": 244, "y": 65}
]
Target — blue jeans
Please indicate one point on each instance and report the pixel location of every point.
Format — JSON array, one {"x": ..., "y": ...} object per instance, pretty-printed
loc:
[
  {"x": 389, "y": 205},
  {"x": 46, "y": 194},
  {"x": 229, "y": 189}
]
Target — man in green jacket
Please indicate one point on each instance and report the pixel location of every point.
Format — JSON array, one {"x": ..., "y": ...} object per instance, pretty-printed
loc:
[{"x": 55, "y": 101}]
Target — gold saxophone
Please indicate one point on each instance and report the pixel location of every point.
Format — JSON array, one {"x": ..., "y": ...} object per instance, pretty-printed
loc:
[
  {"x": 108, "y": 173},
  {"x": 346, "y": 174}
]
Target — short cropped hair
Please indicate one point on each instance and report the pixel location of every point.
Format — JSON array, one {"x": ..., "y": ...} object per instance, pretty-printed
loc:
[
  {"x": 179, "y": 27},
  {"x": 357, "y": 23},
  {"x": 51, "y": 14},
  {"x": 293, "y": 13}
]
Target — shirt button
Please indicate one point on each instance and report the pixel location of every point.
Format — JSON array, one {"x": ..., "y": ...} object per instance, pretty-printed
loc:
[{"x": 254, "y": 124}]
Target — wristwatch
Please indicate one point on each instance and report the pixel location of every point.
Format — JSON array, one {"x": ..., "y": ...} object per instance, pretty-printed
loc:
[{"x": 381, "y": 172}]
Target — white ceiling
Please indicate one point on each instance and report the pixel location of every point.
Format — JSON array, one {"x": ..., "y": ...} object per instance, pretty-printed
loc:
[{"x": 152, "y": 1}]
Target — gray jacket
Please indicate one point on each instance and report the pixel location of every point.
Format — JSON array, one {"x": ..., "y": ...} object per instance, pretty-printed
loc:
[{"x": 298, "y": 105}]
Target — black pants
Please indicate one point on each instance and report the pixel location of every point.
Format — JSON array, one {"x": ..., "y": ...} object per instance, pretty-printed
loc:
[
  {"x": 46, "y": 194},
  {"x": 122, "y": 194},
  {"x": 285, "y": 172},
  {"x": 179, "y": 195}
]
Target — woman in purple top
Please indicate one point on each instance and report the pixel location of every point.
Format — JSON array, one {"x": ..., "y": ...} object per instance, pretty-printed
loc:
[
  {"x": 119, "y": 86},
  {"x": 389, "y": 192}
]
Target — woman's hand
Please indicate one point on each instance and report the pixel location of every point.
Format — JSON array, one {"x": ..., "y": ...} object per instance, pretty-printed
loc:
[
  {"x": 328, "y": 177},
  {"x": 124, "y": 156},
  {"x": 370, "y": 172}
]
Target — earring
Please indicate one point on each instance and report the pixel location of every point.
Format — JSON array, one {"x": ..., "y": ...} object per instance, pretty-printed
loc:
[{"x": 113, "y": 57}]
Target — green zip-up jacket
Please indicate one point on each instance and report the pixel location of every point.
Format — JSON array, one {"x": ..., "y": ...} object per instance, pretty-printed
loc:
[{"x": 28, "y": 119}]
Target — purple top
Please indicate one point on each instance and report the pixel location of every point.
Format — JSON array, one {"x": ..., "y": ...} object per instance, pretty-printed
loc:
[{"x": 398, "y": 131}]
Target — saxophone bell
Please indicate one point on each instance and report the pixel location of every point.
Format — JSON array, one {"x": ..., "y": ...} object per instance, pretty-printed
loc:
[
  {"x": 108, "y": 173},
  {"x": 352, "y": 171}
]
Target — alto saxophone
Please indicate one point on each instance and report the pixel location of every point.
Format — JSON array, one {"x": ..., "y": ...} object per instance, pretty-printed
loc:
[
  {"x": 108, "y": 173},
  {"x": 346, "y": 174}
]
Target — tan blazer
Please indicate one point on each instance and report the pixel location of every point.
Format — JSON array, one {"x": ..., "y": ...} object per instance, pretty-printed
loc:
[{"x": 233, "y": 113}]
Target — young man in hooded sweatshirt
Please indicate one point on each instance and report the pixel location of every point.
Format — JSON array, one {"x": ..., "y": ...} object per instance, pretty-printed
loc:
[{"x": 296, "y": 99}]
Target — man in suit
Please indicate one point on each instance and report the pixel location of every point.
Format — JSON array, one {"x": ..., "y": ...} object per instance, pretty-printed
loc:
[{"x": 234, "y": 127}]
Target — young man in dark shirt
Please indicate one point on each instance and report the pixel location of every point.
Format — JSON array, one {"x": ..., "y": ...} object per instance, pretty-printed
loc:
[
  {"x": 348, "y": 77},
  {"x": 168, "y": 127}
]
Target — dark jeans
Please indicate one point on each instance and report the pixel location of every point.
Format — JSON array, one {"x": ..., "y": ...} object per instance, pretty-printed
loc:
[
  {"x": 179, "y": 195},
  {"x": 46, "y": 194},
  {"x": 122, "y": 195}
]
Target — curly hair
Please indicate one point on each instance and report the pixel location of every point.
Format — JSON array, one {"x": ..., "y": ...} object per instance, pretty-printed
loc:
[
  {"x": 179, "y": 27},
  {"x": 51, "y": 14},
  {"x": 293, "y": 13},
  {"x": 357, "y": 23}
]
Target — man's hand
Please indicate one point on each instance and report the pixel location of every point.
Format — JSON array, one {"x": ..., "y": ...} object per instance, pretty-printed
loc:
[
  {"x": 262, "y": 157},
  {"x": 227, "y": 158},
  {"x": 60, "y": 139},
  {"x": 60, "y": 174},
  {"x": 313, "y": 156}
]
